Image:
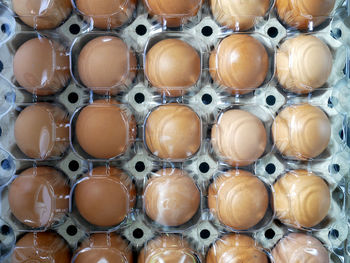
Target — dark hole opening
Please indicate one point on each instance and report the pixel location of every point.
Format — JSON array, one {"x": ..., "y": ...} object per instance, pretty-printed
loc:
[
  {"x": 137, "y": 233},
  {"x": 6, "y": 164},
  {"x": 204, "y": 167},
  {"x": 5, "y": 230},
  {"x": 270, "y": 100},
  {"x": 73, "y": 97},
  {"x": 341, "y": 134},
  {"x": 0, "y": 131},
  {"x": 141, "y": 30},
  {"x": 5, "y": 28},
  {"x": 72, "y": 230},
  {"x": 330, "y": 103},
  {"x": 140, "y": 167},
  {"x": 139, "y": 98},
  {"x": 74, "y": 29},
  {"x": 270, "y": 168},
  {"x": 207, "y": 99},
  {"x": 335, "y": 167},
  {"x": 334, "y": 233},
  {"x": 272, "y": 32},
  {"x": 205, "y": 233},
  {"x": 207, "y": 31},
  {"x": 270, "y": 233},
  {"x": 1, "y": 66},
  {"x": 336, "y": 33},
  {"x": 73, "y": 166}
]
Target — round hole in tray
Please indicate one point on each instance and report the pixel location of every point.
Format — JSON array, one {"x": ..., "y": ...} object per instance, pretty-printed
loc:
[
  {"x": 140, "y": 166},
  {"x": 74, "y": 29},
  {"x": 207, "y": 99},
  {"x": 204, "y": 234},
  {"x": 341, "y": 134},
  {"x": 334, "y": 233},
  {"x": 207, "y": 31},
  {"x": 270, "y": 100},
  {"x": 73, "y": 97},
  {"x": 1, "y": 66},
  {"x": 270, "y": 168},
  {"x": 330, "y": 103},
  {"x": 336, "y": 33},
  {"x": 204, "y": 167},
  {"x": 6, "y": 164},
  {"x": 5, "y": 230},
  {"x": 137, "y": 233},
  {"x": 139, "y": 98},
  {"x": 141, "y": 30},
  {"x": 72, "y": 230},
  {"x": 0, "y": 131},
  {"x": 272, "y": 32},
  {"x": 5, "y": 28},
  {"x": 334, "y": 168},
  {"x": 73, "y": 166},
  {"x": 270, "y": 233}
]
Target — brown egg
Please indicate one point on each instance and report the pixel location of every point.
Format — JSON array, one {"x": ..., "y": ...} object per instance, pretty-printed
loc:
[
  {"x": 240, "y": 63},
  {"x": 42, "y": 131},
  {"x": 304, "y": 63},
  {"x": 107, "y": 14},
  {"x": 301, "y": 199},
  {"x": 300, "y": 248},
  {"x": 304, "y": 14},
  {"x": 105, "y": 196},
  {"x": 238, "y": 199},
  {"x": 301, "y": 131},
  {"x": 235, "y": 248},
  {"x": 105, "y": 129},
  {"x": 39, "y": 196},
  {"x": 42, "y": 15},
  {"x": 173, "y": 13},
  {"x": 173, "y": 131},
  {"x": 172, "y": 66},
  {"x": 171, "y": 197},
  {"x": 239, "y": 15},
  {"x": 169, "y": 249},
  {"x": 238, "y": 137},
  {"x": 106, "y": 248},
  {"x": 41, "y": 247},
  {"x": 41, "y": 66},
  {"x": 105, "y": 64}
]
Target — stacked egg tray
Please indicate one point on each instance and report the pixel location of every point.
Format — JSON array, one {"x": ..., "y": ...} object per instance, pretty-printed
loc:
[{"x": 207, "y": 99}]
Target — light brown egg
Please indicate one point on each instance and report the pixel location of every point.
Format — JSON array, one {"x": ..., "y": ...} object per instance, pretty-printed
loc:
[
  {"x": 235, "y": 248},
  {"x": 105, "y": 129},
  {"x": 304, "y": 14},
  {"x": 171, "y": 197},
  {"x": 42, "y": 15},
  {"x": 39, "y": 196},
  {"x": 301, "y": 131},
  {"x": 169, "y": 249},
  {"x": 173, "y": 132},
  {"x": 42, "y": 131},
  {"x": 239, "y": 15},
  {"x": 304, "y": 63},
  {"x": 106, "y": 248},
  {"x": 238, "y": 137},
  {"x": 301, "y": 199},
  {"x": 173, "y": 13},
  {"x": 41, "y": 247},
  {"x": 240, "y": 63},
  {"x": 41, "y": 66},
  {"x": 238, "y": 199},
  {"x": 172, "y": 66},
  {"x": 300, "y": 248},
  {"x": 105, "y": 196},
  {"x": 105, "y": 64}
]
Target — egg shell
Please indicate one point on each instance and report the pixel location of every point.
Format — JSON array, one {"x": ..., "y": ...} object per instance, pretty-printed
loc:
[
  {"x": 298, "y": 247},
  {"x": 239, "y": 15},
  {"x": 169, "y": 59},
  {"x": 240, "y": 63},
  {"x": 105, "y": 129},
  {"x": 173, "y": 131},
  {"x": 105, "y": 64},
  {"x": 102, "y": 247},
  {"x": 107, "y": 14},
  {"x": 301, "y": 199},
  {"x": 238, "y": 137},
  {"x": 41, "y": 131},
  {"x": 39, "y": 196},
  {"x": 303, "y": 64},
  {"x": 171, "y": 197},
  {"x": 105, "y": 196},
  {"x": 41, "y": 247},
  {"x": 42, "y": 15},
  {"x": 304, "y": 14},
  {"x": 41, "y": 66},
  {"x": 301, "y": 131},
  {"x": 236, "y": 248}
]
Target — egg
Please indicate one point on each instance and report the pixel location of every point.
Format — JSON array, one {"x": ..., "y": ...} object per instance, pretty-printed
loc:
[
  {"x": 232, "y": 248},
  {"x": 167, "y": 248},
  {"x": 40, "y": 247},
  {"x": 107, "y": 14},
  {"x": 304, "y": 14},
  {"x": 301, "y": 131},
  {"x": 105, "y": 129},
  {"x": 173, "y": 13},
  {"x": 239, "y": 15},
  {"x": 171, "y": 197},
  {"x": 41, "y": 66},
  {"x": 173, "y": 132},
  {"x": 240, "y": 63},
  {"x": 238, "y": 137},
  {"x": 39, "y": 196},
  {"x": 102, "y": 247},
  {"x": 105, "y": 64},
  {"x": 238, "y": 199},
  {"x": 42, "y": 15},
  {"x": 299, "y": 248},
  {"x": 172, "y": 66},
  {"x": 301, "y": 199},
  {"x": 42, "y": 131},
  {"x": 303, "y": 64},
  {"x": 105, "y": 196}
]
